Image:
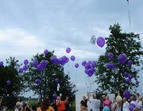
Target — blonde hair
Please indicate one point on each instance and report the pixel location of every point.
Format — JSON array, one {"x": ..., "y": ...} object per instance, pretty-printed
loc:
[
  {"x": 119, "y": 100},
  {"x": 136, "y": 109}
]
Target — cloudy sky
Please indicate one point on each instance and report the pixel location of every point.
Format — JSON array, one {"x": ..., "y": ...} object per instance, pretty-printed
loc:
[{"x": 28, "y": 27}]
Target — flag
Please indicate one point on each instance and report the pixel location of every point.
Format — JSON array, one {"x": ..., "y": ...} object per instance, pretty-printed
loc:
[{"x": 93, "y": 40}]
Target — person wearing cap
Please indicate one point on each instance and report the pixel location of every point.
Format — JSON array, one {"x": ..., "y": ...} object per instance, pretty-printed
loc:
[
  {"x": 118, "y": 104},
  {"x": 106, "y": 108},
  {"x": 125, "y": 105},
  {"x": 132, "y": 101},
  {"x": 95, "y": 102},
  {"x": 140, "y": 103}
]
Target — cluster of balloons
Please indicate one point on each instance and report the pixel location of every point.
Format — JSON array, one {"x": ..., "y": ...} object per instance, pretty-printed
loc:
[
  {"x": 42, "y": 65},
  {"x": 1, "y": 63},
  {"x": 89, "y": 67},
  {"x": 62, "y": 60},
  {"x": 24, "y": 67},
  {"x": 109, "y": 65}
]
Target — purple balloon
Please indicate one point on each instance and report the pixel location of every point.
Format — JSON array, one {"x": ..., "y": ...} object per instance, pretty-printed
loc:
[
  {"x": 8, "y": 82},
  {"x": 25, "y": 68},
  {"x": 100, "y": 41},
  {"x": 57, "y": 80},
  {"x": 37, "y": 81},
  {"x": 73, "y": 58},
  {"x": 76, "y": 65},
  {"x": 35, "y": 63},
  {"x": 39, "y": 68},
  {"x": 127, "y": 81},
  {"x": 109, "y": 65},
  {"x": 113, "y": 65},
  {"x": 45, "y": 51},
  {"x": 126, "y": 94},
  {"x": 83, "y": 63},
  {"x": 110, "y": 55},
  {"x": 131, "y": 106},
  {"x": 1, "y": 63},
  {"x": 122, "y": 58},
  {"x": 137, "y": 83},
  {"x": 126, "y": 74},
  {"x": 44, "y": 63},
  {"x": 68, "y": 50},
  {"x": 55, "y": 95},
  {"x": 86, "y": 71},
  {"x": 25, "y": 61},
  {"x": 130, "y": 76},
  {"x": 93, "y": 63},
  {"x": 21, "y": 70},
  {"x": 130, "y": 62}
]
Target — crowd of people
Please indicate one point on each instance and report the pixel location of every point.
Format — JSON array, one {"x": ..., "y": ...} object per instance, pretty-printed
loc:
[
  {"x": 45, "y": 105},
  {"x": 118, "y": 104}
]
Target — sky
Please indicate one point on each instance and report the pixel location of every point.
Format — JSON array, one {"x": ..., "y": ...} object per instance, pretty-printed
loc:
[{"x": 28, "y": 27}]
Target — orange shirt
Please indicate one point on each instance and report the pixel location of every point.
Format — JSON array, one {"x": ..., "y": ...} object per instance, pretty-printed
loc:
[
  {"x": 61, "y": 106},
  {"x": 49, "y": 109}
]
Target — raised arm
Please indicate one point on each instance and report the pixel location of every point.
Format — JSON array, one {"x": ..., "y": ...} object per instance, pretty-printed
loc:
[
  {"x": 119, "y": 92},
  {"x": 88, "y": 96},
  {"x": 28, "y": 101}
]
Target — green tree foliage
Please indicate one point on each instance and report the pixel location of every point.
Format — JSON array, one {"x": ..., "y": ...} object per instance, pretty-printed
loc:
[
  {"x": 109, "y": 80},
  {"x": 10, "y": 72},
  {"x": 47, "y": 78}
]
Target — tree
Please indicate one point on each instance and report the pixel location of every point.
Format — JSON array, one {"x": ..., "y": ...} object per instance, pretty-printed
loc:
[
  {"x": 47, "y": 78},
  {"x": 10, "y": 72},
  {"x": 119, "y": 43}
]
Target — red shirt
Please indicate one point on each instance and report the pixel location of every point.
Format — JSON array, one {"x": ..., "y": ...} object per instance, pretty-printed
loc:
[{"x": 61, "y": 106}]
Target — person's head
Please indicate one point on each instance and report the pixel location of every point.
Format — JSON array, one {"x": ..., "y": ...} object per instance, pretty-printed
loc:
[
  {"x": 58, "y": 98},
  {"x": 138, "y": 95},
  {"x": 67, "y": 97},
  {"x": 140, "y": 98},
  {"x": 124, "y": 99},
  {"x": 132, "y": 98},
  {"x": 107, "y": 97},
  {"x": 19, "y": 99},
  {"x": 45, "y": 104},
  {"x": 136, "y": 109},
  {"x": 84, "y": 97},
  {"x": 119, "y": 100},
  {"x": 34, "y": 107},
  {"x": 106, "y": 108}
]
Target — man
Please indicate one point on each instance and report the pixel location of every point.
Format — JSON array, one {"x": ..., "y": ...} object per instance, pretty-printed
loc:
[
  {"x": 132, "y": 101},
  {"x": 95, "y": 102},
  {"x": 83, "y": 104},
  {"x": 125, "y": 105},
  {"x": 60, "y": 104}
]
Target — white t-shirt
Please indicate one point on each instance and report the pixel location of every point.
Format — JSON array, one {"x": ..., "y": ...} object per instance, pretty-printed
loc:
[
  {"x": 126, "y": 106},
  {"x": 133, "y": 102},
  {"x": 19, "y": 103},
  {"x": 118, "y": 108},
  {"x": 140, "y": 105},
  {"x": 95, "y": 104}
]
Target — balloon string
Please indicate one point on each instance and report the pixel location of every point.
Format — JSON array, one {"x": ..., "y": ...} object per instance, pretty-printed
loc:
[{"x": 129, "y": 16}]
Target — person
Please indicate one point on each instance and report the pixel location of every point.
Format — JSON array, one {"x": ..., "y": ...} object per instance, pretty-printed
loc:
[
  {"x": 95, "y": 102},
  {"x": 137, "y": 96},
  {"x": 19, "y": 105},
  {"x": 45, "y": 105},
  {"x": 136, "y": 109},
  {"x": 67, "y": 105},
  {"x": 106, "y": 108},
  {"x": 132, "y": 101},
  {"x": 27, "y": 106},
  {"x": 113, "y": 103},
  {"x": 60, "y": 104},
  {"x": 107, "y": 102},
  {"x": 34, "y": 108},
  {"x": 140, "y": 103},
  {"x": 54, "y": 105},
  {"x": 125, "y": 104},
  {"x": 118, "y": 104},
  {"x": 83, "y": 104}
]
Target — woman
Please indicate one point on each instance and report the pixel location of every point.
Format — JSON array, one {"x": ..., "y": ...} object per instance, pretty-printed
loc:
[
  {"x": 140, "y": 103},
  {"x": 45, "y": 106},
  {"x": 118, "y": 104},
  {"x": 19, "y": 105},
  {"x": 107, "y": 102},
  {"x": 125, "y": 105},
  {"x": 83, "y": 104}
]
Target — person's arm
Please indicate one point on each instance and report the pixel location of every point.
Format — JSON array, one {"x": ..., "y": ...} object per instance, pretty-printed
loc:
[
  {"x": 114, "y": 108},
  {"x": 58, "y": 103},
  {"x": 119, "y": 92},
  {"x": 88, "y": 96},
  {"x": 136, "y": 95},
  {"x": 28, "y": 101}
]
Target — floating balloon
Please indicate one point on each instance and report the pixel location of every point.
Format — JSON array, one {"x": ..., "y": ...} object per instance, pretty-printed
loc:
[
  {"x": 130, "y": 62},
  {"x": 109, "y": 65},
  {"x": 93, "y": 63},
  {"x": 83, "y": 63},
  {"x": 21, "y": 70},
  {"x": 100, "y": 41},
  {"x": 55, "y": 95},
  {"x": 131, "y": 106},
  {"x": 57, "y": 80},
  {"x": 44, "y": 63},
  {"x": 76, "y": 65},
  {"x": 25, "y": 61},
  {"x": 1, "y": 63},
  {"x": 39, "y": 68},
  {"x": 130, "y": 76},
  {"x": 35, "y": 63},
  {"x": 68, "y": 50},
  {"x": 25, "y": 68},
  {"x": 122, "y": 58},
  {"x": 73, "y": 58},
  {"x": 126, "y": 94},
  {"x": 110, "y": 55},
  {"x": 126, "y": 74},
  {"x": 45, "y": 51},
  {"x": 127, "y": 81},
  {"x": 8, "y": 82},
  {"x": 137, "y": 83},
  {"x": 37, "y": 81}
]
